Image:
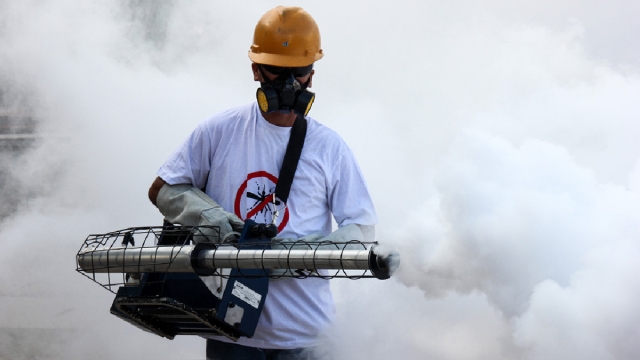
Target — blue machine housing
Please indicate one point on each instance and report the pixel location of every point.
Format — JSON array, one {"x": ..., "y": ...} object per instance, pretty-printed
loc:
[{"x": 170, "y": 304}]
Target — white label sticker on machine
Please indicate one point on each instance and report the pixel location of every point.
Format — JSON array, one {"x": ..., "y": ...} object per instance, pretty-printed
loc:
[{"x": 245, "y": 294}]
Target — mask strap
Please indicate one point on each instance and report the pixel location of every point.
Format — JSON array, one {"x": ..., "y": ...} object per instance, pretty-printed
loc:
[{"x": 265, "y": 79}]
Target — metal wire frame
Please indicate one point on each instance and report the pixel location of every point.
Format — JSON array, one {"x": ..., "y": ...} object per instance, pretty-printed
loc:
[
  {"x": 152, "y": 237},
  {"x": 315, "y": 271},
  {"x": 154, "y": 241}
]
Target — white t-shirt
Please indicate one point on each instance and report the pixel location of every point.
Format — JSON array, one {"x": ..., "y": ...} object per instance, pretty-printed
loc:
[{"x": 237, "y": 154}]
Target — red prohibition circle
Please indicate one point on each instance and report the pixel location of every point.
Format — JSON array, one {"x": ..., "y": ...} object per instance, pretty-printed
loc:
[{"x": 243, "y": 187}]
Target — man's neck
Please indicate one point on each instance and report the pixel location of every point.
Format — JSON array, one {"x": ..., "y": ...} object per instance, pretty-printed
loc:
[{"x": 279, "y": 119}]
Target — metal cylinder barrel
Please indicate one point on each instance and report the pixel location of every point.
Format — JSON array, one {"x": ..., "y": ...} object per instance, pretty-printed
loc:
[
  {"x": 181, "y": 259},
  {"x": 133, "y": 260},
  {"x": 285, "y": 259}
]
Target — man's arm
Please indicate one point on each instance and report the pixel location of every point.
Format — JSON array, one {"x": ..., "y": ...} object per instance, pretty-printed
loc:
[{"x": 154, "y": 190}]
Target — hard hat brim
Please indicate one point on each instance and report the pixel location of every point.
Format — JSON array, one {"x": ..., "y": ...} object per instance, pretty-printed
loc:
[{"x": 284, "y": 60}]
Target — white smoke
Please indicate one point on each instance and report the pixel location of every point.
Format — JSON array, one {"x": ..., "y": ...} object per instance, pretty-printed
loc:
[{"x": 498, "y": 140}]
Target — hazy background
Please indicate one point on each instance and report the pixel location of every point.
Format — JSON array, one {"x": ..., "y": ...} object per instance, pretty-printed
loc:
[{"x": 499, "y": 140}]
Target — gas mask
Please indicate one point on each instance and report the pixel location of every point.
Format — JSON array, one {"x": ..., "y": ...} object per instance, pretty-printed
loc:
[{"x": 285, "y": 93}]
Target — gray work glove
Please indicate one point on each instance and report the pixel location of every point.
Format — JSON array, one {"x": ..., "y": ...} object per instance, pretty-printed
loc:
[
  {"x": 185, "y": 205},
  {"x": 342, "y": 235},
  {"x": 345, "y": 234}
]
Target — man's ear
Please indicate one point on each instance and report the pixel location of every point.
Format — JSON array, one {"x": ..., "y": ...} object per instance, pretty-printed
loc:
[
  {"x": 256, "y": 72},
  {"x": 311, "y": 78}
]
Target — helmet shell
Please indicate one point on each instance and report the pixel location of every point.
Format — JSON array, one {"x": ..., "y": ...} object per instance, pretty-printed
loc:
[{"x": 287, "y": 37}]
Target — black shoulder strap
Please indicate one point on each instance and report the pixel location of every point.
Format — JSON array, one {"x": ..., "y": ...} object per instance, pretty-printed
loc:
[{"x": 291, "y": 157}]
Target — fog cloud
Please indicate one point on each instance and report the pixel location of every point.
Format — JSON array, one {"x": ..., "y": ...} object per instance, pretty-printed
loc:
[{"x": 498, "y": 140}]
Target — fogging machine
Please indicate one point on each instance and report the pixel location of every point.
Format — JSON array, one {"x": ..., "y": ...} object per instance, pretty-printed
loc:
[{"x": 169, "y": 285}]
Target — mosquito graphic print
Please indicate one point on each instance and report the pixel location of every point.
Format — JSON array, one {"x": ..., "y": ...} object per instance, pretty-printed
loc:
[{"x": 255, "y": 200}]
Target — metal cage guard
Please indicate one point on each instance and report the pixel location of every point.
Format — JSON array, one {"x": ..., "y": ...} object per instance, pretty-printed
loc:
[
  {"x": 206, "y": 259},
  {"x": 107, "y": 254}
]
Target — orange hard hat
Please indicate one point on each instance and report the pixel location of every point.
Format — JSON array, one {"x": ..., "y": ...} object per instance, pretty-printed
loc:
[{"x": 287, "y": 37}]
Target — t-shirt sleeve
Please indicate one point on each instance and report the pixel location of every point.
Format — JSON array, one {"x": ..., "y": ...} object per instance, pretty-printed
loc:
[
  {"x": 349, "y": 198},
  {"x": 190, "y": 162}
]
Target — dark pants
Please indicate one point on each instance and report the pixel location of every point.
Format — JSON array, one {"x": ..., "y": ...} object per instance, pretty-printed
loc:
[{"x": 218, "y": 350}]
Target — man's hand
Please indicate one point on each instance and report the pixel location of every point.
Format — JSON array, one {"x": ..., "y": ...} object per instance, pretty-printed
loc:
[{"x": 336, "y": 240}]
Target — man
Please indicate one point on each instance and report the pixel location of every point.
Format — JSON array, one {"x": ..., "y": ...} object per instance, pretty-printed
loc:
[{"x": 236, "y": 157}]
